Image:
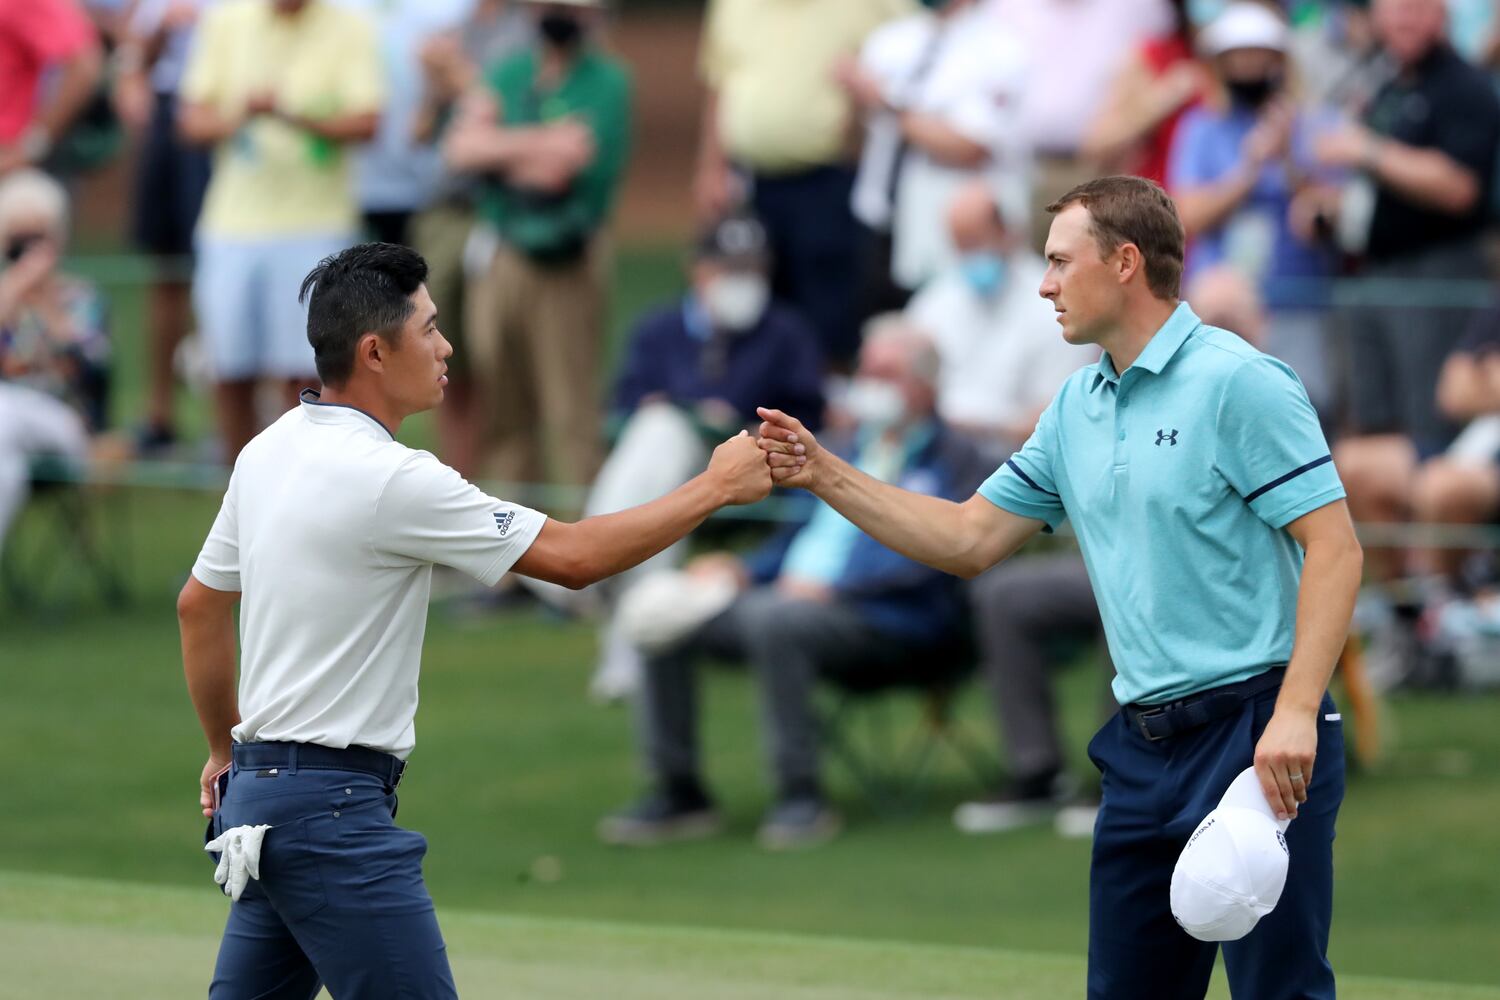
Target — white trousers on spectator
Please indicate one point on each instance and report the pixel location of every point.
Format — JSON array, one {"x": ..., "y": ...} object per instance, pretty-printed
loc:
[
  {"x": 32, "y": 423},
  {"x": 658, "y": 450}
]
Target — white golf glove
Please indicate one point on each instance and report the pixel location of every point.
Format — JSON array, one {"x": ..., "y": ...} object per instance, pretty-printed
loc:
[{"x": 239, "y": 858}]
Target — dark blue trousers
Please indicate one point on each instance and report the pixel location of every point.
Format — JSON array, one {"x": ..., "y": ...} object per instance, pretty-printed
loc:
[
  {"x": 1155, "y": 794},
  {"x": 815, "y": 249},
  {"x": 340, "y": 901}
]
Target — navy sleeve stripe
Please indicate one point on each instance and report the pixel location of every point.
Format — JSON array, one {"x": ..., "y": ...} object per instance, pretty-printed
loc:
[
  {"x": 1027, "y": 479},
  {"x": 1284, "y": 479}
]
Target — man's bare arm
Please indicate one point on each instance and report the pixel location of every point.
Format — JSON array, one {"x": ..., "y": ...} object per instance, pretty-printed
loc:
[
  {"x": 206, "y": 619},
  {"x": 964, "y": 539}
]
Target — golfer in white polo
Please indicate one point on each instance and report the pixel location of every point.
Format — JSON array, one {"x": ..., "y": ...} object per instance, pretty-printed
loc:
[{"x": 327, "y": 538}]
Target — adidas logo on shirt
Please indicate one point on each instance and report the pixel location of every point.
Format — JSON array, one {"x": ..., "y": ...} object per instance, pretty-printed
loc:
[{"x": 503, "y": 520}]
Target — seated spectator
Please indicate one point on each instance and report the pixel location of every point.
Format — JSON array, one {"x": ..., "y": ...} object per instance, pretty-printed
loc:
[
  {"x": 1032, "y": 614},
  {"x": 1003, "y": 354},
  {"x": 281, "y": 194},
  {"x": 53, "y": 341},
  {"x": 839, "y": 602},
  {"x": 1153, "y": 90},
  {"x": 550, "y": 129},
  {"x": 693, "y": 373},
  {"x": 1425, "y": 158},
  {"x": 1237, "y": 167},
  {"x": 939, "y": 92}
]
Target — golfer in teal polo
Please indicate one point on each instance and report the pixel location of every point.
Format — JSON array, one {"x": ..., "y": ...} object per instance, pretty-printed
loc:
[{"x": 1199, "y": 484}]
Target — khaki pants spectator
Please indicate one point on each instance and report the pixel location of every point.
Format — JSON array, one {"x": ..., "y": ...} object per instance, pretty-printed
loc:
[{"x": 535, "y": 334}]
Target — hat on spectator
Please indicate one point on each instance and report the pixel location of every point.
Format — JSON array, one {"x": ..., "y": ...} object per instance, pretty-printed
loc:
[
  {"x": 734, "y": 239},
  {"x": 1233, "y": 868},
  {"x": 1244, "y": 25}
]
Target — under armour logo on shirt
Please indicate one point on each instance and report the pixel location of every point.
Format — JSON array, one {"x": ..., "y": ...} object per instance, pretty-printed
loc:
[
  {"x": 1171, "y": 438},
  {"x": 503, "y": 519}
]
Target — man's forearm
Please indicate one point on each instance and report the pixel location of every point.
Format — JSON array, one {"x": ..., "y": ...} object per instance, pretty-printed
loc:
[
  {"x": 73, "y": 90},
  {"x": 619, "y": 541},
  {"x": 928, "y": 529},
  {"x": 1425, "y": 175},
  {"x": 208, "y": 662},
  {"x": 337, "y": 128},
  {"x": 204, "y": 125},
  {"x": 1207, "y": 207},
  {"x": 942, "y": 142},
  {"x": 1325, "y": 603}
]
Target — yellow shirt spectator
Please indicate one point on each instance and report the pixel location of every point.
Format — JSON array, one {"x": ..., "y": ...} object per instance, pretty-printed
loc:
[
  {"x": 772, "y": 62},
  {"x": 272, "y": 178}
]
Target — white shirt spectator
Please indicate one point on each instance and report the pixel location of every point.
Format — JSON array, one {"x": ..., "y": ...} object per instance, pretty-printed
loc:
[
  {"x": 330, "y": 529},
  {"x": 394, "y": 173},
  {"x": 967, "y": 71},
  {"x": 1003, "y": 357},
  {"x": 1080, "y": 47}
]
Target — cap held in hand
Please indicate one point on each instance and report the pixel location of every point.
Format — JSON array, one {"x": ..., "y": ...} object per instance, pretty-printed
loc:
[{"x": 1233, "y": 868}]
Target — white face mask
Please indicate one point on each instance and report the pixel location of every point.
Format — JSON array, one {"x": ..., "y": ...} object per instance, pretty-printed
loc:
[
  {"x": 736, "y": 302},
  {"x": 875, "y": 404}
]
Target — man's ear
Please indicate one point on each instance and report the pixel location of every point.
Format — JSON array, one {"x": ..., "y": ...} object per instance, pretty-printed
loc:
[
  {"x": 1128, "y": 261},
  {"x": 370, "y": 352}
]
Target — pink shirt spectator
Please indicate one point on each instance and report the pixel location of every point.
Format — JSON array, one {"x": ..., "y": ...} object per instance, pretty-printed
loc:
[
  {"x": 34, "y": 34},
  {"x": 1064, "y": 92}
]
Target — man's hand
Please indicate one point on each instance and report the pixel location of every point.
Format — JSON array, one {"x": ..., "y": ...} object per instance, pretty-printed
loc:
[
  {"x": 861, "y": 87},
  {"x": 792, "y": 451},
  {"x": 1271, "y": 137},
  {"x": 802, "y": 589},
  {"x": 1284, "y": 759},
  {"x": 1351, "y": 146},
  {"x": 216, "y": 766},
  {"x": 739, "y": 467}
]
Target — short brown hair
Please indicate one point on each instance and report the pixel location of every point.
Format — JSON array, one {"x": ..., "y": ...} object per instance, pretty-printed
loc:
[{"x": 1134, "y": 210}]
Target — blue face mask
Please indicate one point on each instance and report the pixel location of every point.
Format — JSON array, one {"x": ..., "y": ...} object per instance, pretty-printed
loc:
[{"x": 984, "y": 271}]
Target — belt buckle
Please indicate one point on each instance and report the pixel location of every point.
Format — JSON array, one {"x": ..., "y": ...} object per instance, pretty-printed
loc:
[{"x": 1140, "y": 723}]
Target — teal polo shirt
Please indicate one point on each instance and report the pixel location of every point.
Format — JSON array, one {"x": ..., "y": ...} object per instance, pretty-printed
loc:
[{"x": 1179, "y": 476}]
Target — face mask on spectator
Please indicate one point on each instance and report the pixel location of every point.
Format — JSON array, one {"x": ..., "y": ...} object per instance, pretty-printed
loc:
[
  {"x": 1253, "y": 93},
  {"x": 736, "y": 302},
  {"x": 984, "y": 270},
  {"x": 875, "y": 404},
  {"x": 17, "y": 245},
  {"x": 560, "y": 28}
]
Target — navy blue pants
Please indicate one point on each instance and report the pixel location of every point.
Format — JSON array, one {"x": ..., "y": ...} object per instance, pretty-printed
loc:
[
  {"x": 815, "y": 250},
  {"x": 340, "y": 901},
  {"x": 1155, "y": 794}
]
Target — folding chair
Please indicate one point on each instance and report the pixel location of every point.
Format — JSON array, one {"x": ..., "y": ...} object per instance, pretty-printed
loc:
[
  {"x": 889, "y": 759},
  {"x": 60, "y": 544}
]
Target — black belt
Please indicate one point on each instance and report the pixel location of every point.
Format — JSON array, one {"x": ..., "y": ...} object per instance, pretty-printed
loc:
[
  {"x": 311, "y": 756},
  {"x": 1158, "y": 722}
]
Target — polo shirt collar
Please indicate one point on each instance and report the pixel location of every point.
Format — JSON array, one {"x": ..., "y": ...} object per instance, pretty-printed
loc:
[
  {"x": 1160, "y": 349},
  {"x": 329, "y": 413}
]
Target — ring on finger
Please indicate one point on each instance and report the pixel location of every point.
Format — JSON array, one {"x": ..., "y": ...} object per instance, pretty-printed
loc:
[{"x": 1295, "y": 777}]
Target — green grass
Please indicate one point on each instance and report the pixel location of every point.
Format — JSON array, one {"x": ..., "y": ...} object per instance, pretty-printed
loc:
[
  {"x": 151, "y": 942},
  {"x": 102, "y": 753}
]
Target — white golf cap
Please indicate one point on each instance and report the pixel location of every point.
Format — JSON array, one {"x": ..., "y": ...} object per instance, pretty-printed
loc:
[
  {"x": 1233, "y": 868},
  {"x": 661, "y": 610},
  {"x": 1244, "y": 25}
]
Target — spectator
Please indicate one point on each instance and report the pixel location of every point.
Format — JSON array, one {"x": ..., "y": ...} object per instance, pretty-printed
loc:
[
  {"x": 452, "y": 62},
  {"x": 554, "y": 132},
  {"x": 171, "y": 177},
  {"x": 1031, "y": 614},
  {"x": 53, "y": 342},
  {"x": 1426, "y": 159},
  {"x": 1063, "y": 97},
  {"x": 1003, "y": 354},
  {"x": 1154, "y": 89},
  {"x": 1337, "y": 59},
  {"x": 278, "y": 89},
  {"x": 396, "y": 174},
  {"x": 776, "y": 134},
  {"x": 36, "y": 36},
  {"x": 840, "y": 603},
  {"x": 939, "y": 91},
  {"x": 1243, "y": 172},
  {"x": 692, "y": 375},
  {"x": 1462, "y": 485}
]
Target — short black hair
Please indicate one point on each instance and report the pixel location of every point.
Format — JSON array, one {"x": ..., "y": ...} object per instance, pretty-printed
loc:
[{"x": 364, "y": 289}]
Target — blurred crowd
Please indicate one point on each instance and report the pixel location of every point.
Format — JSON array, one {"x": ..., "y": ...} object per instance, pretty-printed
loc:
[{"x": 870, "y": 189}]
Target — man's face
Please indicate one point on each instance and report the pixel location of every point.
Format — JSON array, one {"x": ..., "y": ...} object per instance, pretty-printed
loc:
[
  {"x": 1408, "y": 29},
  {"x": 416, "y": 369},
  {"x": 1082, "y": 286}
]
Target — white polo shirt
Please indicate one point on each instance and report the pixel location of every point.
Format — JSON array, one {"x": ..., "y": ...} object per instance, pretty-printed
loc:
[{"x": 330, "y": 529}]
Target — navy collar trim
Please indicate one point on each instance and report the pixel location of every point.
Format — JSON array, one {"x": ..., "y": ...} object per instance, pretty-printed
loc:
[{"x": 312, "y": 397}]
